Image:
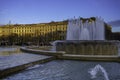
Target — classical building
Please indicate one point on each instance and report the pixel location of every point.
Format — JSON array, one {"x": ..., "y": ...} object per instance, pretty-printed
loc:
[{"x": 42, "y": 33}]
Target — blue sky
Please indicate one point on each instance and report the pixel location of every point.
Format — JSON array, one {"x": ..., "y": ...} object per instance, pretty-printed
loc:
[{"x": 39, "y": 11}]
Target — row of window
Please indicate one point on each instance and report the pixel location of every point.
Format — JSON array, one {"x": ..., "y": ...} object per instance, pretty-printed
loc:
[
  {"x": 41, "y": 27},
  {"x": 39, "y": 30},
  {"x": 44, "y": 29}
]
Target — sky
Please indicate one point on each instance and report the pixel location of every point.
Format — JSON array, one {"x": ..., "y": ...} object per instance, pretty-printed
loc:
[{"x": 43, "y": 11}]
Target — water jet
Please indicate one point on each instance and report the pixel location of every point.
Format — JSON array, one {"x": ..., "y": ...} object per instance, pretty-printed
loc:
[{"x": 87, "y": 37}]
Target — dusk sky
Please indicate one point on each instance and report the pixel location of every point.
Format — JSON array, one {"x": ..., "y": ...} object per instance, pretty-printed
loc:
[{"x": 42, "y": 11}]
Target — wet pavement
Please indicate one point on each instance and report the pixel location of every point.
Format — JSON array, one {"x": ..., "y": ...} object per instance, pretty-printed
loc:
[
  {"x": 67, "y": 70},
  {"x": 17, "y": 58}
]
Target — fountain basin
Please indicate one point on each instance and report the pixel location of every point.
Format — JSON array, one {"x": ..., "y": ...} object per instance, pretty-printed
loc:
[
  {"x": 89, "y": 47},
  {"x": 62, "y": 55}
]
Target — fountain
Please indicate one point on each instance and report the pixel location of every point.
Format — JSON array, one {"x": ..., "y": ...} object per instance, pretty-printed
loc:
[
  {"x": 88, "y": 30},
  {"x": 87, "y": 37},
  {"x": 85, "y": 41},
  {"x": 96, "y": 69}
]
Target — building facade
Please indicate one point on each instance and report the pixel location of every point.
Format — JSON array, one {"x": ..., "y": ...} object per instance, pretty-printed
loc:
[
  {"x": 42, "y": 33},
  {"x": 36, "y": 33}
]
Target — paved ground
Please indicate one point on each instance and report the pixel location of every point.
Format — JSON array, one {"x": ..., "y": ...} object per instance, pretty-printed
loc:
[{"x": 19, "y": 59}]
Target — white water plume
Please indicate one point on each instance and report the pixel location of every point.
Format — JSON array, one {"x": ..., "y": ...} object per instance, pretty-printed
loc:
[{"x": 96, "y": 69}]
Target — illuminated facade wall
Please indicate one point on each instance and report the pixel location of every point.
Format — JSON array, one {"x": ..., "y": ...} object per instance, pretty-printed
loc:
[{"x": 34, "y": 29}]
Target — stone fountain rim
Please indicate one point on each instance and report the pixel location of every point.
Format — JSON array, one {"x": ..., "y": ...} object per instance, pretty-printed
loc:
[{"x": 63, "y": 56}]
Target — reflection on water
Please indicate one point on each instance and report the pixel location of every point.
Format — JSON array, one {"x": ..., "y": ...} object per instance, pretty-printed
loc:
[
  {"x": 11, "y": 56},
  {"x": 5, "y": 51},
  {"x": 67, "y": 70}
]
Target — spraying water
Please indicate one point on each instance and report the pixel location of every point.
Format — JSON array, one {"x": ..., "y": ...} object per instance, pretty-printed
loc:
[
  {"x": 88, "y": 30},
  {"x": 54, "y": 45},
  {"x": 96, "y": 69}
]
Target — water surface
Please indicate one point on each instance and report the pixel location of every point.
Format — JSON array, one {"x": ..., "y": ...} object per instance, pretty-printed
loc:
[{"x": 67, "y": 70}]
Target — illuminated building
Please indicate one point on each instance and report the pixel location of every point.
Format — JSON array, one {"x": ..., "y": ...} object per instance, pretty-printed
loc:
[{"x": 47, "y": 31}]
